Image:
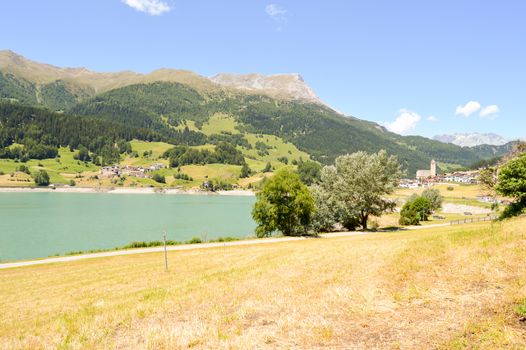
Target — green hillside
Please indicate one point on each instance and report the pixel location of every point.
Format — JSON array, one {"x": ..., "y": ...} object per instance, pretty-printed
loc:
[
  {"x": 312, "y": 128},
  {"x": 181, "y": 107}
]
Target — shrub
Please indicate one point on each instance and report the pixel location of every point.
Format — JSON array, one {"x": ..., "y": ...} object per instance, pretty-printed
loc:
[
  {"x": 450, "y": 188},
  {"x": 408, "y": 216},
  {"x": 434, "y": 197},
  {"x": 72, "y": 183},
  {"x": 267, "y": 168},
  {"x": 24, "y": 169},
  {"x": 520, "y": 310},
  {"x": 195, "y": 240},
  {"x": 41, "y": 178},
  {"x": 183, "y": 176},
  {"x": 159, "y": 178},
  {"x": 245, "y": 171}
]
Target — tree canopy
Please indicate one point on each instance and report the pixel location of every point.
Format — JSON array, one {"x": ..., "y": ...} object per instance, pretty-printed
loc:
[
  {"x": 284, "y": 204},
  {"x": 357, "y": 185}
]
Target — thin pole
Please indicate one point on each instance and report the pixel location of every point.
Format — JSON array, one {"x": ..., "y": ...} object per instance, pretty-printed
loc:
[{"x": 165, "y": 254}]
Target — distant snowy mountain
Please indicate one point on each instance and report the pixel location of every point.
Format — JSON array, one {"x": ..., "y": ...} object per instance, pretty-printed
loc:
[{"x": 473, "y": 139}]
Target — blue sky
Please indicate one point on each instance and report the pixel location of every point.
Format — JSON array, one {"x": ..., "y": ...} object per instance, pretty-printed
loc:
[{"x": 419, "y": 67}]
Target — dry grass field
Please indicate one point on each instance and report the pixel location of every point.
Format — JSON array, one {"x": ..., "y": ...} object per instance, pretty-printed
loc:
[{"x": 449, "y": 287}]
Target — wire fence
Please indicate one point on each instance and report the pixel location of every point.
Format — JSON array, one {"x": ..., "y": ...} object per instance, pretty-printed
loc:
[{"x": 474, "y": 219}]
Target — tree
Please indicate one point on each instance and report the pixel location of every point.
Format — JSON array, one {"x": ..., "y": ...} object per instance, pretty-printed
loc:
[
  {"x": 408, "y": 215},
  {"x": 358, "y": 184},
  {"x": 512, "y": 183},
  {"x": 416, "y": 209},
  {"x": 24, "y": 169},
  {"x": 422, "y": 206},
  {"x": 284, "y": 204},
  {"x": 245, "y": 171},
  {"x": 434, "y": 197},
  {"x": 488, "y": 178},
  {"x": 82, "y": 154},
  {"x": 159, "y": 178},
  {"x": 267, "y": 168},
  {"x": 41, "y": 178},
  {"x": 325, "y": 216},
  {"x": 310, "y": 172}
]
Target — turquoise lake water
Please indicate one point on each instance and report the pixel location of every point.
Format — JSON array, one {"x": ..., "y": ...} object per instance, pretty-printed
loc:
[{"x": 37, "y": 225}]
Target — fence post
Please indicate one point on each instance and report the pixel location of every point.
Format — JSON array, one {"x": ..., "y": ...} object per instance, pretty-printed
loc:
[{"x": 165, "y": 254}]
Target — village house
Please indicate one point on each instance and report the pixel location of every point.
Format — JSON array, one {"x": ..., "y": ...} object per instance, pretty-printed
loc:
[
  {"x": 110, "y": 171},
  {"x": 461, "y": 177},
  {"x": 409, "y": 183}
]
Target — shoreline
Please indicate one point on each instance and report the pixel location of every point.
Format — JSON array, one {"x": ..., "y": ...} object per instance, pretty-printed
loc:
[{"x": 123, "y": 190}]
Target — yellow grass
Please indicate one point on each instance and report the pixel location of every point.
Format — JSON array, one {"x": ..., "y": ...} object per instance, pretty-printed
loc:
[
  {"x": 459, "y": 191},
  {"x": 434, "y": 288}
]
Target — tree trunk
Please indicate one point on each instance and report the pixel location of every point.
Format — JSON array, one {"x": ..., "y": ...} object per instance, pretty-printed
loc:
[{"x": 364, "y": 218}]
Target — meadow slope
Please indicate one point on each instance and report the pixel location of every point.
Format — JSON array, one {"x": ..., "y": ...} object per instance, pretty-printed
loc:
[{"x": 448, "y": 287}]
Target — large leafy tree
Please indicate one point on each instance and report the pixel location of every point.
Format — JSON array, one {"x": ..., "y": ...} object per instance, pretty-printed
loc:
[
  {"x": 309, "y": 172},
  {"x": 512, "y": 183},
  {"x": 434, "y": 197},
  {"x": 284, "y": 204},
  {"x": 358, "y": 184}
]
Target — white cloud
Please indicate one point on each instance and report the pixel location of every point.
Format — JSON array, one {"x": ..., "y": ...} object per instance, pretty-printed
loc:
[
  {"x": 275, "y": 11},
  {"x": 406, "y": 121},
  {"x": 151, "y": 7},
  {"x": 432, "y": 118},
  {"x": 489, "y": 111},
  {"x": 468, "y": 109}
]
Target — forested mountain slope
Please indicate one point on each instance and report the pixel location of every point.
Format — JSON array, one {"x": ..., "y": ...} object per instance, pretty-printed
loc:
[
  {"x": 313, "y": 128},
  {"x": 161, "y": 102}
]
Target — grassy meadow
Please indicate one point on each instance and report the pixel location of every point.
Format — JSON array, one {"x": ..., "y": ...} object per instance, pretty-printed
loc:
[{"x": 455, "y": 287}]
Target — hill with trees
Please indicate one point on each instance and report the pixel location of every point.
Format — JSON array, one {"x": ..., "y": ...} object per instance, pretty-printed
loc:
[{"x": 173, "y": 106}]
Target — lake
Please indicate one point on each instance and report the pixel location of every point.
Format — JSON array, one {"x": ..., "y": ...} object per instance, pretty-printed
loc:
[{"x": 37, "y": 225}]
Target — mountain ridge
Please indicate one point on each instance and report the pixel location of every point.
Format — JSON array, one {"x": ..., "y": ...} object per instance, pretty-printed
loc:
[
  {"x": 280, "y": 86},
  {"x": 472, "y": 139}
]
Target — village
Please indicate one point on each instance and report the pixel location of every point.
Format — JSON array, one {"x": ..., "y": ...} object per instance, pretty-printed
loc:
[
  {"x": 427, "y": 178},
  {"x": 129, "y": 170}
]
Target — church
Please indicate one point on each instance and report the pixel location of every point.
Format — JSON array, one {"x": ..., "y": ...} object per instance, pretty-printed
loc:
[{"x": 425, "y": 174}]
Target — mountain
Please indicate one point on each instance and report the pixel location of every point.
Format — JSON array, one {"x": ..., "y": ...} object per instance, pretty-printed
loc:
[
  {"x": 167, "y": 101},
  {"x": 280, "y": 86},
  {"x": 472, "y": 139}
]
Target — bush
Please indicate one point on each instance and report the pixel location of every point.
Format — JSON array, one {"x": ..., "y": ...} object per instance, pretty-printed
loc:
[
  {"x": 159, "y": 178},
  {"x": 267, "y": 168},
  {"x": 408, "y": 216},
  {"x": 195, "y": 240},
  {"x": 72, "y": 183},
  {"x": 416, "y": 209},
  {"x": 24, "y": 169},
  {"x": 434, "y": 197},
  {"x": 245, "y": 171},
  {"x": 450, "y": 188},
  {"x": 183, "y": 176},
  {"x": 520, "y": 310},
  {"x": 41, "y": 178}
]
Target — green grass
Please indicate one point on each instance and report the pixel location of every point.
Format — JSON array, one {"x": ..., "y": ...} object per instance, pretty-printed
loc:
[
  {"x": 218, "y": 123},
  {"x": 60, "y": 170}
]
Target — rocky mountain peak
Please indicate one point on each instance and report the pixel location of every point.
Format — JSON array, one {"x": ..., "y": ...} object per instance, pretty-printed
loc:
[{"x": 284, "y": 86}]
